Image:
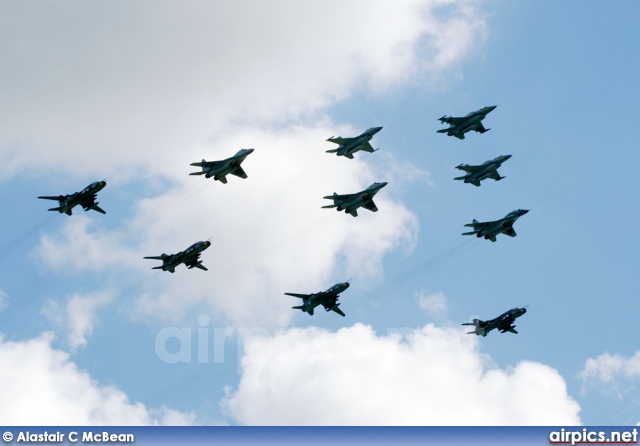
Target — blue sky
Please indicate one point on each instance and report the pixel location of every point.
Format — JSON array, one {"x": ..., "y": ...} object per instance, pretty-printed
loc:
[{"x": 138, "y": 96}]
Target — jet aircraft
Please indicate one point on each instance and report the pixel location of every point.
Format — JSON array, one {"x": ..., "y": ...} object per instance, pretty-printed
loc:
[
  {"x": 328, "y": 299},
  {"x": 350, "y": 202},
  {"x": 459, "y": 126},
  {"x": 503, "y": 323},
  {"x": 348, "y": 146},
  {"x": 189, "y": 257},
  {"x": 488, "y": 169},
  {"x": 490, "y": 229},
  {"x": 220, "y": 169},
  {"x": 85, "y": 198}
]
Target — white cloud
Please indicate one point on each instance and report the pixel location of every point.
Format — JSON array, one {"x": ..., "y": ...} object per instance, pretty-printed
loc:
[
  {"x": 41, "y": 387},
  {"x": 129, "y": 88},
  {"x": 434, "y": 304},
  {"x": 78, "y": 315},
  {"x": 4, "y": 300},
  {"x": 434, "y": 376},
  {"x": 615, "y": 374}
]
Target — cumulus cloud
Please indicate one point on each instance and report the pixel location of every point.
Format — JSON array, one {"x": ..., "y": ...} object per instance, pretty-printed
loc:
[
  {"x": 433, "y": 304},
  {"x": 78, "y": 316},
  {"x": 613, "y": 373},
  {"x": 111, "y": 88},
  {"x": 433, "y": 376},
  {"x": 41, "y": 387}
]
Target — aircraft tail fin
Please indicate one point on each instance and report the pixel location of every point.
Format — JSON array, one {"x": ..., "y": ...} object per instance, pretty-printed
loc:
[
  {"x": 354, "y": 213},
  {"x": 332, "y": 151},
  {"x": 330, "y": 206},
  {"x": 460, "y": 178},
  {"x": 197, "y": 173},
  {"x": 59, "y": 209},
  {"x": 443, "y": 130},
  {"x": 471, "y": 225},
  {"x": 222, "y": 179}
]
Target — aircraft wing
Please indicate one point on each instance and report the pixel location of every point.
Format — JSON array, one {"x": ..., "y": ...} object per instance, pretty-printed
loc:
[
  {"x": 367, "y": 147},
  {"x": 370, "y": 205},
  {"x": 468, "y": 168},
  {"x": 510, "y": 232},
  {"x": 301, "y": 296},
  {"x": 239, "y": 172},
  {"x": 339, "y": 311},
  {"x": 58, "y": 198},
  {"x": 340, "y": 140},
  {"x": 480, "y": 128},
  {"x": 209, "y": 164},
  {"x": 450, "y": 120},
  {"x": 154, "y": 258},
  {"x": 339, "y": 197},
  {"x": 494, "y": 175}
]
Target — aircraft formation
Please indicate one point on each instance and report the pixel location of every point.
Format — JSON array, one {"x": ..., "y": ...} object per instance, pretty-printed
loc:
[{"x": 349, "y": 203}]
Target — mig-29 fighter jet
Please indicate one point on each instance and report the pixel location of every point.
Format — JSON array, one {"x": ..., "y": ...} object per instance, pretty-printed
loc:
[
  {"x": 328, "y": 299},
  {"x": 220, "y": 169},
  {"x": 459, "y": 126},
  {"x": 488, "y": 169},
  {"x": 348, "y": 146},
  {"x": 85, "y": 198},
  {"x": 350, "y": 202},
  {"x": 503, "y": 323},
  {"x": 189, "y": 257},
  {"x": 490, "y": 229}
]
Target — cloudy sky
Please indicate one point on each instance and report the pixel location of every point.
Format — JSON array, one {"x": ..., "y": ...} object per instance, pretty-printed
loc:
[{"x": 136, "y": 91}]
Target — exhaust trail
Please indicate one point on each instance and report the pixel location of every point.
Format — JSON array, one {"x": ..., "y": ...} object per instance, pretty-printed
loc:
[{"x": 25, "y": 236}]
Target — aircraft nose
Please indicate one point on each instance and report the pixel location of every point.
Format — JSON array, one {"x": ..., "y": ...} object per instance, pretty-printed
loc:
[
  {"x": 491, "y": 107},
  {"x": 506, "y": 157},
  {"x": 207, "y": 243},
  {"x": 346, "y": 284}
]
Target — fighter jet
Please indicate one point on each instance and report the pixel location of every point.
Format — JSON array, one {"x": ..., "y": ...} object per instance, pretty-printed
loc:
[
  {"x": 348, "y": 146},
  {"x": 189, "y": 257},
  {"x": 85, "y": 198},
  {"x": 220, "y": 169},
  {"x": 350, "y": 202},
  {"x": 504, "y": 323},
  {"x": 328, "y": 299},
  {"x": 490, "y": 229},
  {"x": 488, "y": 169},
  {"x": 459, "y": 126}
]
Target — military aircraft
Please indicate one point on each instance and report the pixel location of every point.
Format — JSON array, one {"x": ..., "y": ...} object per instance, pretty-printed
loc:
[
  {"x": 459, "y": 126},
  {"x": 350, "y": 202},
  {"x": 348, "y": 146},
  {"x": 189, "y": 257},
  {"x": 503, "y": 323},
  {"x": 220, "y": 169},
  {"x": 490, "y": 229},
  {"x": 488, "y": 169},
  {"x": 85, "y": 198},
  {"x": 328, "y": 299}
]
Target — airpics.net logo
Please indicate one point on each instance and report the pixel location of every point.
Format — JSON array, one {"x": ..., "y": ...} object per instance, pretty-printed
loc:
[{"x": 588, "y": 436}]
